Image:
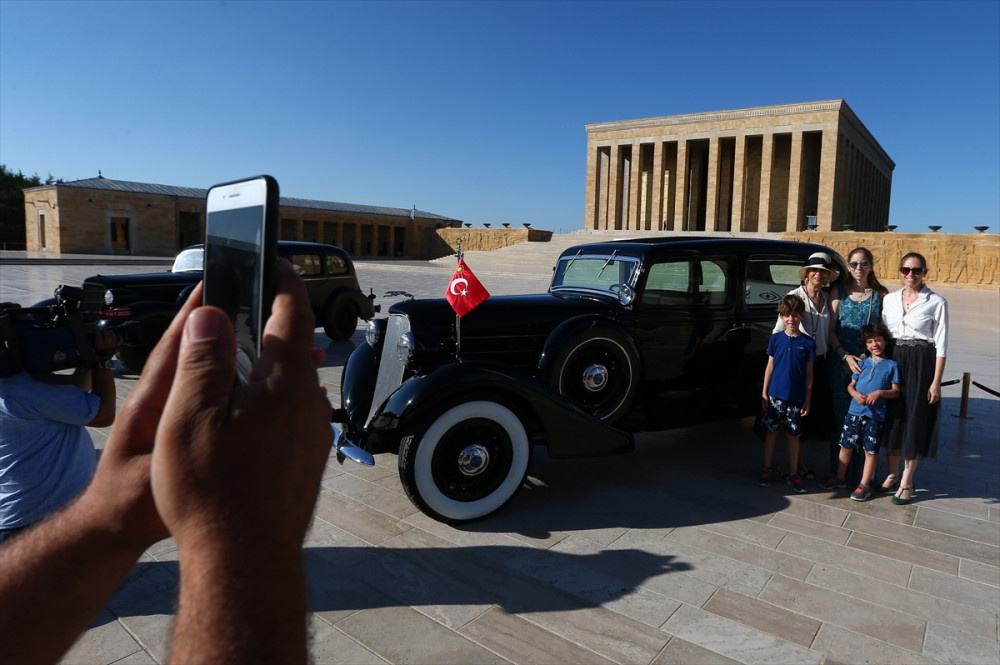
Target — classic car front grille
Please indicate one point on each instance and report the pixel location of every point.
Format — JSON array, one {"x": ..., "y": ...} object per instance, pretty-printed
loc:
[{"x": 390, "y": 369}]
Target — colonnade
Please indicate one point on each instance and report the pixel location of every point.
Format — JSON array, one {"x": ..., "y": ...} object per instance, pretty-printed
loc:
[{"x": 770, "y": 169}]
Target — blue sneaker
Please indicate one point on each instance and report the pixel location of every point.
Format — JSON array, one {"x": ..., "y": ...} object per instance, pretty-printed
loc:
[
  {"x": 795, "y": 481},
  {"x": 832, "y": 483},
  {"x": 764, "y": 479}
]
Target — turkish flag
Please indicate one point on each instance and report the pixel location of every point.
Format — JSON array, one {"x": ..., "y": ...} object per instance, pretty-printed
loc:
[{"x": 464, "y": 291}]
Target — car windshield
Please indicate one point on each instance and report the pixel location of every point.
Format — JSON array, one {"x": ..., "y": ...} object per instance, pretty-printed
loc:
[
  {"x": 190, "y": 260},
  {"x": 594, "y": 272}
]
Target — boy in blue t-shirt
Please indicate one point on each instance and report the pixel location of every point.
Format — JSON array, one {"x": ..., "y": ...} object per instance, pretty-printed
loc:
[
  {"x": 877, "y": 382},
  {"x": 788, "y": 382}
]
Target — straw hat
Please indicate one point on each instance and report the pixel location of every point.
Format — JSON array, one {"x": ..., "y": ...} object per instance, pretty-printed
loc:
[{"x": 819, "y": 261}]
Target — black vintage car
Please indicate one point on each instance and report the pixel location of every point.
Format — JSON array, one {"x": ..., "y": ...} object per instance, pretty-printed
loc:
[
  {"x": 633, "y": 335},
  {"x": 153, "y": 299}
]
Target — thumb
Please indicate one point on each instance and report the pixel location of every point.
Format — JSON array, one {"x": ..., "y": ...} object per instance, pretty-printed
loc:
[{"x": 206, "y": 363}]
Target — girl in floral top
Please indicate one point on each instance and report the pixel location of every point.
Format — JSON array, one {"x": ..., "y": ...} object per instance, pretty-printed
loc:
[{"x": 854, "y": 301}]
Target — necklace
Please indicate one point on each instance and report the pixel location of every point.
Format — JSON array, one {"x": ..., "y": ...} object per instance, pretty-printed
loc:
[{"x": 861, "y": 296}]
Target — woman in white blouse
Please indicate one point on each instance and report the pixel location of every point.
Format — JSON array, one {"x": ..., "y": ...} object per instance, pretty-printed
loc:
[{"x": 918, "y": 320}]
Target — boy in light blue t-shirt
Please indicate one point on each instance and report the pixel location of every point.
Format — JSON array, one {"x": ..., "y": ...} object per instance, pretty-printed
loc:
[{"x": 869, "y": 389}]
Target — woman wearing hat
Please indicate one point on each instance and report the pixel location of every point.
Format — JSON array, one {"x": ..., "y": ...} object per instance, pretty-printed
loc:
[
  {"x": 818, "y": 270},
  {"x": 918, "y": 320}
]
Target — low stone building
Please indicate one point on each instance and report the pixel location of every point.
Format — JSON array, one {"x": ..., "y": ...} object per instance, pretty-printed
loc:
[
  {"x": 770, "y": 168},
  {"x": 104, "y": 216}
]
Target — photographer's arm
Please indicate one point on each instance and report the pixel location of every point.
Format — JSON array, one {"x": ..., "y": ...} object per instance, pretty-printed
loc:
[
  {"x": 103, "y": 381},
  {"x": 239, "y": 535},
  {"x": 56, "y": 576}
]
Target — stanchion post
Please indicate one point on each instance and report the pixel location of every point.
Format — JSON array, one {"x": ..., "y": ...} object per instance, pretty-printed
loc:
[
  {"x": 966, "y": 382},
  {"x": 963, "y": 411}
]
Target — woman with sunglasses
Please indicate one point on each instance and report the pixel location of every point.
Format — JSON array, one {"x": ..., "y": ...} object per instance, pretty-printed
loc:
[
  {"x": 918, "y": 320},
  {"x": 854, "y": 301}
]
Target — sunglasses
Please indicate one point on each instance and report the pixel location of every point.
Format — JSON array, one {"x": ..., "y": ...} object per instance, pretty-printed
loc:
[
  {"x": 862, "y": 264},
  {"x": 917, "y": 272}
]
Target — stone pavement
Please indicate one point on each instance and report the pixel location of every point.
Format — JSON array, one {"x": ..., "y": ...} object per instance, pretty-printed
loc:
[{"x": 670, "y": 554}]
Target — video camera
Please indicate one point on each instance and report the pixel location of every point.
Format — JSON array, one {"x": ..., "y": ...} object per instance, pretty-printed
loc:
[{"x": 46, "y": 340}]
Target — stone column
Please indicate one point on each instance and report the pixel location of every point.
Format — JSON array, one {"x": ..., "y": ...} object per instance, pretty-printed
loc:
[
  {"x": 656, "y": 214},
  {"x": 712, "y": 188},
  {"x": 680, "y": 189},
  {"x": 795, "y": 219},
  {"x": 827, "y": 180},
  {"x": 635, "y": 186},
  {"x": 591, "y": 205},
  {"x": 738, "y": 182},
  {"x": 614, "y": 168},
  {"x": 766, "y": 166}
]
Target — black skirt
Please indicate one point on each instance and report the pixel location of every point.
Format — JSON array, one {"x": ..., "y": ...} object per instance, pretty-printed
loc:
[{"x": 911, "y": 423}]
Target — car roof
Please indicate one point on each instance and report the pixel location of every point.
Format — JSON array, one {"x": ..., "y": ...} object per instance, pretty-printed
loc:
[
  {"x": 657, "y": 247},
  {"x": 296, "y": 246}
]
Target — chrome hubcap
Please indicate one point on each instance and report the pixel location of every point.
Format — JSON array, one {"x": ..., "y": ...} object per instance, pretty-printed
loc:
[
  {"x": 595, "y": 377},
  {"x": 473, "y": 460}
]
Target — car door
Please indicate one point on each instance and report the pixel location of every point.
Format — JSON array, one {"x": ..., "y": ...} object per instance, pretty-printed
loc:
[
  {"x": 766, "y": 277},
  {"x": 684, "y": 312}
]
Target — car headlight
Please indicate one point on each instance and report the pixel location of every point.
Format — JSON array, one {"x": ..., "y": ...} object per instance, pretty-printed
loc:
[
  {"x": 404, "y": 347},
  {"x": 109, "y": 298},
  {"x": 372, "y": 334}
]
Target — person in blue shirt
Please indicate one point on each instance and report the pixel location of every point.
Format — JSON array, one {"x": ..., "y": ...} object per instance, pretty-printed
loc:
[
  {"x": 876, "y": 382},
  {"x": 788, "y": 383},
  {"x": 46, "y": 454}
]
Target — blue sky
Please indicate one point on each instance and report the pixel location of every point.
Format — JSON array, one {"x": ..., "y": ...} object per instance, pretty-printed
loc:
[{"x": 476, "y": 110}]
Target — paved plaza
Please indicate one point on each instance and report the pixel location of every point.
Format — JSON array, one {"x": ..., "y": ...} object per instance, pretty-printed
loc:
[{"x": 671, "y": 554}]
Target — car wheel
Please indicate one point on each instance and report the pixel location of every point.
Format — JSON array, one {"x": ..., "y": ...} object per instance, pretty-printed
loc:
[
  {"x": 467, "y": 463},
  {"x": 341, "y": 319},
  {"x": 597, "y": 370},
  {"x": 133, "y": 358}
]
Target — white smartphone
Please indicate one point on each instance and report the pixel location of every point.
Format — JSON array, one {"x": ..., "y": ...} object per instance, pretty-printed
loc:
[{"x": 240, "y": 248}]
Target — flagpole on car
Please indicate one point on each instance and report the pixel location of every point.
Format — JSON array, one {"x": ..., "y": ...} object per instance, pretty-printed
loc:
[{"x": 458, "y": 318}]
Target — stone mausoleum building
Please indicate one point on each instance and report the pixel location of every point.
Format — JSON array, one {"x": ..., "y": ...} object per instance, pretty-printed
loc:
[
  {"x": 771, "y": 168},
  {"x": 104, "y": 216}
]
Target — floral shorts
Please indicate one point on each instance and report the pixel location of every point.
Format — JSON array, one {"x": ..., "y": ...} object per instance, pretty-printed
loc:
[
  {"x": 781, "y": 413},
  {"x": 861, "y": 432}
]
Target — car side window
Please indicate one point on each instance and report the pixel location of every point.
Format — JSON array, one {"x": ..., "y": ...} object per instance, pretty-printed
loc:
[
  {"x": 713, "y": 283},
  {"x": 685, "y": 282},
  {"x": 307, "y": 264},
  {"x": 335, "y": 265},
  {"x": 769, "y": 278}
]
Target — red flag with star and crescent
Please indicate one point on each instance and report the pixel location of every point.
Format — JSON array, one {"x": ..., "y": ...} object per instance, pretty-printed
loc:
[{"x": 464, "y": 291}]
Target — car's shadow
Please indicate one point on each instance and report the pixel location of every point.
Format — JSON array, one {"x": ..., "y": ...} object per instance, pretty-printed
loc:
[{"x": 678, "y": 478}]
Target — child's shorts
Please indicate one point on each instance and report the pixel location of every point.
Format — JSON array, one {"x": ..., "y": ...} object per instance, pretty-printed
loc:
[
  {"x": 861, "y": 432},
  {"x": 781, "y": 413}
]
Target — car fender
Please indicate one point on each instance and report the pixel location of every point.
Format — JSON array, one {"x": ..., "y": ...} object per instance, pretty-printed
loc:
[
  {"x": 357, "y": 386},
  {"x": 566, "y": 330},
  {"x": 565, "y": 430},
  {"x": 366, "y": 309}
]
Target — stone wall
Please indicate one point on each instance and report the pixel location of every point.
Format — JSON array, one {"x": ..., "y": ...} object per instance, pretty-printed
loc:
[
  {"x": 970, "y": 260},
  {"x": 486, "y": 240}
]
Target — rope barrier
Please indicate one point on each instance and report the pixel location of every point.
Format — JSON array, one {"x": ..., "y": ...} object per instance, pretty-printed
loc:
[
  {"x": 966, "y": 381},
  {"x": 989, "y": 390}
]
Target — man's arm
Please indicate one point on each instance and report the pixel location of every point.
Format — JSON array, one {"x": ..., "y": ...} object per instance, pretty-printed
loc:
[
  {"x": 239, "y": 534},
  {"x": 103, "y": 381}
]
